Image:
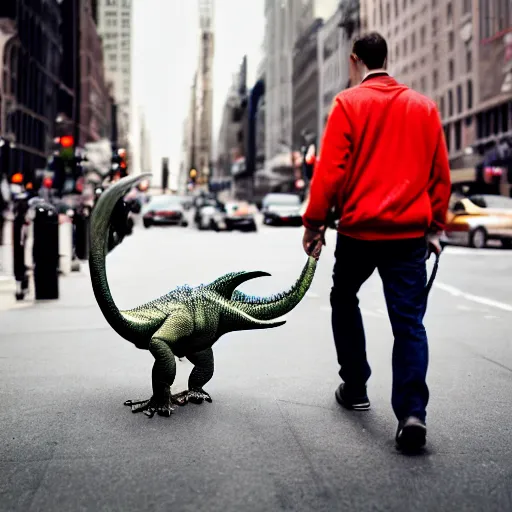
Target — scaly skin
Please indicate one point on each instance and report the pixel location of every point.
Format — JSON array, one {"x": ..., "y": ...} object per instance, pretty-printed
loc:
[{"x": 185, "y": 322}]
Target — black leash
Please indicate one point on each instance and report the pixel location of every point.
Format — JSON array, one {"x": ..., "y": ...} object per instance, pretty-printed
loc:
[{"x": 433, "y": 275}]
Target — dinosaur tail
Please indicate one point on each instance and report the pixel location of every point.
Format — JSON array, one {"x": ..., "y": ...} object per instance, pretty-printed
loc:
[
  {"x": 100, "y": 223},
  {"x": 269, "y": 308}
]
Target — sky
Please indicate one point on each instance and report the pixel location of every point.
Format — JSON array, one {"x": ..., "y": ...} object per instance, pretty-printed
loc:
[{"x": 165, "y": 56}]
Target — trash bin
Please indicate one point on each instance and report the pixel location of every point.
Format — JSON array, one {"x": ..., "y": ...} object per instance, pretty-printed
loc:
[{"x": 46, "y": 252}]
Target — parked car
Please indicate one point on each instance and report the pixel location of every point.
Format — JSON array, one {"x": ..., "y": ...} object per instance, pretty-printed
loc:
[
  {"x": 476, "y": 219},
  {"x": 164, "y": 210},
  {"x": 282, "y": 209}
]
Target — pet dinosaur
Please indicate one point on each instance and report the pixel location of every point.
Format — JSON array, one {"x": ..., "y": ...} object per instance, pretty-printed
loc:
[{"x": 185, "y": 322}]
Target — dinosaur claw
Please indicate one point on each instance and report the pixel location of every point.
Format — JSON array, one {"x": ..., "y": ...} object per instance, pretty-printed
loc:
[
  {"x": 151, "y": 407},
  {"x": 194, "y": 396}
]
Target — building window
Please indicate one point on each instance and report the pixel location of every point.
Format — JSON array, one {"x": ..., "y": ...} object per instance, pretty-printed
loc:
[
  {"x": 396, "y": 7},
  {"x": 434, "y": 27},
  {"x": 441, "y": 106},
  {"x": 397, "y": 50},
  {"x": 450, "y": 103},
  {"x": 447, "y": 133},
  {"x": 125, "y": 23},
  {"x": 470, "y": 94},
  {"x": 451, "y": 70},
  {"x": 388, "y": 13},
  {"x": 405, "y": 4},
  {"x": 435, "y": 51},
  {"x": 451, "y": 41},
  {"x": 413, "y": 41},
  {"x": 469, "y": 61},
  {"x": 467, "y": 7},
  {"x": 423, "y": 35},
  {"x": 405, "y": 47},
  {"x": 111, "y": 3},
  {"x": 459, "y": 99},
  {"x": 423, "y": 84},
  {"x": 435, "y": 79},
  {"x": 458, "y": 135},
  {"x": 449, "y": 13},
  {"x": 434, "y": 4}
]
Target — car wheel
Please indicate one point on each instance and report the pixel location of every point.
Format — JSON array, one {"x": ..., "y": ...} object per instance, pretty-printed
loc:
[
  {"x": 214, "y": 226},
  {"x": 184, "y": 224},
  {"x": 478, "y": 238},
  {"x": 146, "y": 223},
  {"x": 507, "y": 243}
]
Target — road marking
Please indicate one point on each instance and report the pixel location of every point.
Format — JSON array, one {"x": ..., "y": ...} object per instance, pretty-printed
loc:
[
  {"x": 312, "y": 295},
  {"x": 474, "y": 298},
  {"x": 455, "y": 251}
]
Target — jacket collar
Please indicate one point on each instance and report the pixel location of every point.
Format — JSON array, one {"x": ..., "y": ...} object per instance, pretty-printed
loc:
[{"x": 374, "y": 74}]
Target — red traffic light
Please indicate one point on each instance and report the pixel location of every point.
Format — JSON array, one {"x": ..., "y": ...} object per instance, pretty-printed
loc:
[{"x": 67, "y": 141}]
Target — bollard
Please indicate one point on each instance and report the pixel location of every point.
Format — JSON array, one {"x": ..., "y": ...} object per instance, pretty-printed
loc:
[
  {"x": 81, "y": 224},
  {"x": 19, "y": 237},
  {"x": 65, "y": 244},
  {"x": 46, "y": 252}
]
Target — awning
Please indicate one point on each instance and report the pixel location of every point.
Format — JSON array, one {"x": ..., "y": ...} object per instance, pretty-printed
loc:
[{"x": 463, "y": 175}]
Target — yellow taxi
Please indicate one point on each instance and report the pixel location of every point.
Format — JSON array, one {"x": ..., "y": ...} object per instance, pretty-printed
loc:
[{"x": 474, "y": 220}]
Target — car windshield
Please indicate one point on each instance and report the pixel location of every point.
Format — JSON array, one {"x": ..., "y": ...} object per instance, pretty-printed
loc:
[
  {"x": 490, "y": 201},
  {"x": 282, "y": 200},
  {"x": 164, "y": 202}
]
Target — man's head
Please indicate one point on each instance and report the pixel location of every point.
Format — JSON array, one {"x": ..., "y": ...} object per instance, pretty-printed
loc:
[{"x": 368, "y": 53}]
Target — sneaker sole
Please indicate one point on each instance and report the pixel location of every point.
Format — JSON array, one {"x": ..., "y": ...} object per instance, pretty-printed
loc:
[
  {"x": 363, "y": 406},
  {"x": 412, "y": 438}
]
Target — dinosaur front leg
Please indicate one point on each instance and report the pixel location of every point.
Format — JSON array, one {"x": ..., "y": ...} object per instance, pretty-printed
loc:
[
  {"x": 163, "y": 375},
  {"x": 200, "y": 375}
]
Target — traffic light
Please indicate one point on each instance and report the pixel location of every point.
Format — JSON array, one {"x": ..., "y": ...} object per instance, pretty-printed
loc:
[{"x": 119, "y": 165}]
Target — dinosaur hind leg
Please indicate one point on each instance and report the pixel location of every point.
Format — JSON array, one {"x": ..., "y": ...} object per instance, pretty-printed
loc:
[
  {"x": 163, "y": 375},
  {"x": 164, "y": 370},
  {"x": 199, "y": 376}
]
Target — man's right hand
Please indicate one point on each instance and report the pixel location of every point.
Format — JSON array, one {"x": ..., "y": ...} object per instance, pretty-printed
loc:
[{"x": 434, "y": 244}]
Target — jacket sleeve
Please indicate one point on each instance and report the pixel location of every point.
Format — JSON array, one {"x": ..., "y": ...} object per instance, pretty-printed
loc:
[
  {"x": 330, "y": 167},
  {"x": 439, "y": 188}
]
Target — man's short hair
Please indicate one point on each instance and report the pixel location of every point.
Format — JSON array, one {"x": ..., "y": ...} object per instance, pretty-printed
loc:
[{"x": 372, "y": 49}]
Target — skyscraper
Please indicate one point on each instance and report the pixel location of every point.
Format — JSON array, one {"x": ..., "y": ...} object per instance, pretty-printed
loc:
[
  {"x": 115, "y": 27},
  {"x": 204, "y": 112}
]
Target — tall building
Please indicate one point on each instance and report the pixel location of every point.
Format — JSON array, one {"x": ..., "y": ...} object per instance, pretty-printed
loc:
[
  {"x": 204, "y": 92},
  {"x": 115, "y": 28},
  {"x": 95, "y": 109},
  {"x": 305, "y": 84},
  {"x": 334, "y": 45},
  {"x": 228, "y": 143},
  {"x": 459, "y": 52},
  {"x": 31, "y": 70},
  {"x": 285, "y": 21}
]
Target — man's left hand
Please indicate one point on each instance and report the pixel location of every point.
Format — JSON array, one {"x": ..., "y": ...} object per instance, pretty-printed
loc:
[{"x": 312, "y": 241}]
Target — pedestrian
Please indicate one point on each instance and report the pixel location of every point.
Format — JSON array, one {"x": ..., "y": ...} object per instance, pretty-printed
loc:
[{"x": 383, "y": 165}]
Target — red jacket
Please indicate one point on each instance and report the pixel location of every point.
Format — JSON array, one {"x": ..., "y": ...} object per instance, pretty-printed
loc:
[{"x": 383, "y": 164}]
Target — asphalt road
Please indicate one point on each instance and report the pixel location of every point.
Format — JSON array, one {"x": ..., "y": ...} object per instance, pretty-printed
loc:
[{"x": 274, "y": 438}]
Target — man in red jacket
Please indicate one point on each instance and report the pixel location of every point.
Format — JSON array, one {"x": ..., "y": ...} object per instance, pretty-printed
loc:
[{"x": 383, "y": 165}]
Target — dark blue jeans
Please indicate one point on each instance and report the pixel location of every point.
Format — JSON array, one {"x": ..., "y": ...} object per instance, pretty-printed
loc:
[{"x": 402, "y": 268}]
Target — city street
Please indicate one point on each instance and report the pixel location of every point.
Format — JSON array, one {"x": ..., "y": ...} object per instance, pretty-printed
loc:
[{"x": 274, "y": 437}]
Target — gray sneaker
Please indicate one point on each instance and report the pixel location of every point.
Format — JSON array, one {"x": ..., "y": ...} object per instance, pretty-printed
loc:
[{"x": 411, "y": 435}]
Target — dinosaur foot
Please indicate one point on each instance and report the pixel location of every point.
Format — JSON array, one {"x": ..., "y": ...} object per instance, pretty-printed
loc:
[
  {"x": 195, "y": 396},
  {"x": 151, "y": 406}
]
